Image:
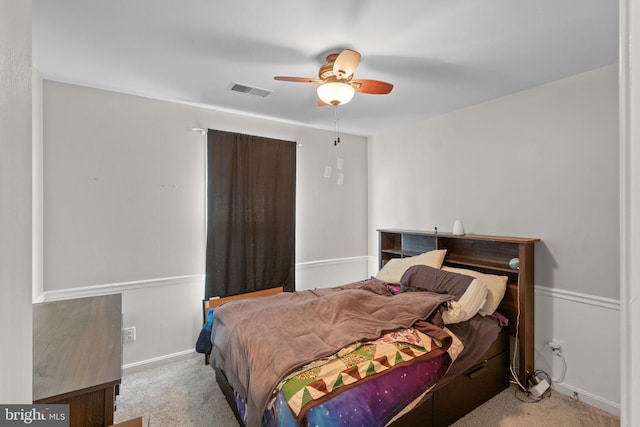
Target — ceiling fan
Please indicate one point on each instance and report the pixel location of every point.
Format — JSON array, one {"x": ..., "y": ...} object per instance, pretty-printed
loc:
[{"x": 337, "y": 85}]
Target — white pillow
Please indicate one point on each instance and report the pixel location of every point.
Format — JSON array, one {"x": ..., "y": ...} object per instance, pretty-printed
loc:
[
  {"x": 496, "y": 287},
  {"x": 468, "y": 305},
  {"x": 393, "y": 270}
]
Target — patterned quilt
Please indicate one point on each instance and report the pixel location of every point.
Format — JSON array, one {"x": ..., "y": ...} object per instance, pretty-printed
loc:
[
  {"x": 395, "y": 372},
  {"x": 354, "y": 363}
]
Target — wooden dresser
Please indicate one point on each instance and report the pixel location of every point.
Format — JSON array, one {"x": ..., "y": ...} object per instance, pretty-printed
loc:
[{"x": 77, "y": 356}]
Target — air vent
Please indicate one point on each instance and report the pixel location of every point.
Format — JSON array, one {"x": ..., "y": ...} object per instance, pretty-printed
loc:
[{"x": 249, "y": 90}]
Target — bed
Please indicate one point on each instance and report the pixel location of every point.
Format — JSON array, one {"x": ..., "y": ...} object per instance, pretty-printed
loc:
[{"x": 422, "y": 343}]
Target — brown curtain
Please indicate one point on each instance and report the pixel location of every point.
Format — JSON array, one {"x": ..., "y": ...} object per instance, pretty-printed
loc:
[{"x": 250, "y": 213}]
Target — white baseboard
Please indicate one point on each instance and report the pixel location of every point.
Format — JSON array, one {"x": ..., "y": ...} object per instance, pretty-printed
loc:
[
  {"x": 588, "y": 398},
  {"x": 159, "y": 361}
]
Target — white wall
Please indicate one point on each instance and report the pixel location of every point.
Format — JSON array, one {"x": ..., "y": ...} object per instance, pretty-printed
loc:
[
  {"x": 539, "y": 163},
  {"x": 630, "y": 209},
  {"x": 124, "y": 204},
  {"x": 37, "y": 185},
  {"x": 15, "y": 201}
]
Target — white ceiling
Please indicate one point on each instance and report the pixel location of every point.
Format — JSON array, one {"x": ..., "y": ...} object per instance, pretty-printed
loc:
[{"x": 441, "y": 55}]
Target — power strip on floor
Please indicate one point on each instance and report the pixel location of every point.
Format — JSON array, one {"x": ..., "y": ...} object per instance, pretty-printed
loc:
[{"x": 539, "y": 389}]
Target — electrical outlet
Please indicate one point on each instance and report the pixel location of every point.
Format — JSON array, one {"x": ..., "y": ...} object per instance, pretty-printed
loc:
[{"x": 128, "y": 335}]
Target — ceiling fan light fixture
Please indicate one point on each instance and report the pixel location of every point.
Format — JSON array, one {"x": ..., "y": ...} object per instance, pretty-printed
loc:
[{"x": 335, "y": 93}]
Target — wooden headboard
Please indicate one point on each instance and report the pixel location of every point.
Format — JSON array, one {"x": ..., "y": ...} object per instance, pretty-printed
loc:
[
  {"x": 487, "y": 254},
  {"x": 216, "y": 301}
]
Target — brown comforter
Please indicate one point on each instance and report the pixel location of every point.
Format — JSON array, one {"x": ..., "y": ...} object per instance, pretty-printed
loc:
[{"x": 257, "y": 342}]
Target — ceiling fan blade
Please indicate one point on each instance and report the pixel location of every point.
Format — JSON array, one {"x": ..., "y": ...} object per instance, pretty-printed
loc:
[
  {"x": 346, "y": 63},
  {"x": 321, "y": 103},
  {"x": 297, "y": 79},
  {"x": 376, "y": 87}
]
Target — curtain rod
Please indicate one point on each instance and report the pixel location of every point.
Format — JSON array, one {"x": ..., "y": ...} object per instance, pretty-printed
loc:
[{"x": 204, "y": 132}]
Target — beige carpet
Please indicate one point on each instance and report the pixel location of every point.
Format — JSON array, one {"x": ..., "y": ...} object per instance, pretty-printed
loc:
[
  {"x": 508, "y": 409},
  {"x": 182, "y": 394},
  {"x": 185, "y": 394}
]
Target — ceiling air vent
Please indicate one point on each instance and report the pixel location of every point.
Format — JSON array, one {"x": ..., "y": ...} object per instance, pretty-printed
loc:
[{"x": 249, "y": 90}]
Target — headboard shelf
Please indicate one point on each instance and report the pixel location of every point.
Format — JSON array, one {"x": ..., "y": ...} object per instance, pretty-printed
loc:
[
  {"x": 487, "y": 254},
  {"x": 486, "y": 264},
  {"x": 405, "y": 244},
  {"x": 402, "y": 252}
]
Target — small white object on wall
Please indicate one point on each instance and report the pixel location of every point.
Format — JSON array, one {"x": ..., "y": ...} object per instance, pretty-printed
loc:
[{"x": 458, "y": 228}]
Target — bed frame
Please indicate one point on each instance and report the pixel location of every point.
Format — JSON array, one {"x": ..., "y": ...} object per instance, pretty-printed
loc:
[
  {"x": 216, "y": 301},
  {"x": 492, "y": 373}
]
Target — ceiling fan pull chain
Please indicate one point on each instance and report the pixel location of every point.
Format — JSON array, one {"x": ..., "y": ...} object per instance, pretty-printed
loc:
[{"x": 336, "y": 119}]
